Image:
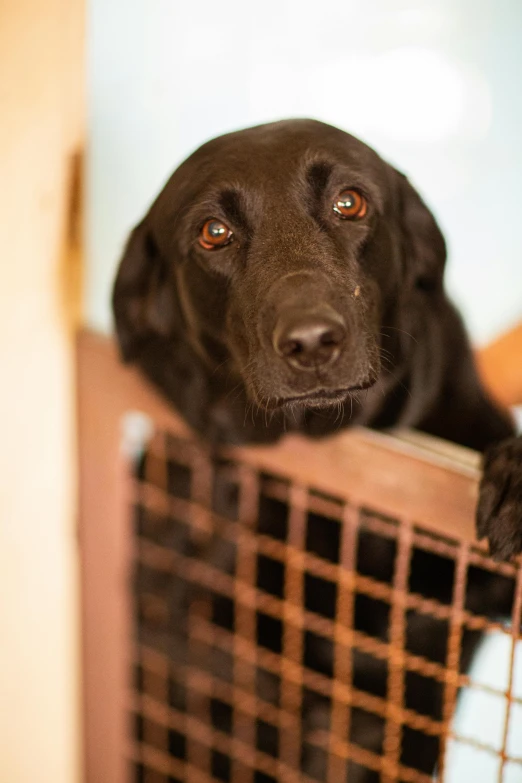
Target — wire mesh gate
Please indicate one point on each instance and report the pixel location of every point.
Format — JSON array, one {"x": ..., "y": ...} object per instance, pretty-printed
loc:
[{"x": 287, "y": 635}]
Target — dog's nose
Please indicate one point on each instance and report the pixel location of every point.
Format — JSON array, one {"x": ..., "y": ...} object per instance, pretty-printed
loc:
[{"x": 311, "y": 341}]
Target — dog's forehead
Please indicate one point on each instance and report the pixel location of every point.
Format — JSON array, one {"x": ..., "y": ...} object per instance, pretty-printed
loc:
[{"x": 276, "y": 151}]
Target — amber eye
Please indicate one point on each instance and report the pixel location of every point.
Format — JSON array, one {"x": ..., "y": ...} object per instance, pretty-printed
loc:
[
  {"x": 350, "y": 204},
  {"x": 214, "y": 234}
]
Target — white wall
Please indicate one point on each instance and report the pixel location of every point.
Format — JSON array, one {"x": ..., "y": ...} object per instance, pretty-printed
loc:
[{"x": 434, "y": 85}]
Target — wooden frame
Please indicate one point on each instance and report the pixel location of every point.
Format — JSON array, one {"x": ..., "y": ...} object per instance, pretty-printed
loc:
[{"x": 411, "y": 476}]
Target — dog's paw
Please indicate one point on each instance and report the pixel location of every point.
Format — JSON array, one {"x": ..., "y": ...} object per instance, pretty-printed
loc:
[{"x": 499, "y": 512}]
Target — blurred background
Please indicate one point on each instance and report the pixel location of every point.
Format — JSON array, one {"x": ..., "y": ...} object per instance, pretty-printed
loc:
[{"x": 123, "y": 91}]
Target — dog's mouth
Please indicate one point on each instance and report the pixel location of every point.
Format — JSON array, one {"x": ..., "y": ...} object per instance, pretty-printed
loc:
[{"x": 321, "y": 398}]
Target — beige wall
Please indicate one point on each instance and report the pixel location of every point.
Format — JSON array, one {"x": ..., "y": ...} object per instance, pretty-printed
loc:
[{"x": 40, "y": 128}]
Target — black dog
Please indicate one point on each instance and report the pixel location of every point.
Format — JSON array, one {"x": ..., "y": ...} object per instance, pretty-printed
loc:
[{"x": 287, "y": 278}]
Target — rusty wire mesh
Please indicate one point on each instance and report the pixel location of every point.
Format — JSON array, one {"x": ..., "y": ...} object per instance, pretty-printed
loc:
[{"x": 283, "y": 635}]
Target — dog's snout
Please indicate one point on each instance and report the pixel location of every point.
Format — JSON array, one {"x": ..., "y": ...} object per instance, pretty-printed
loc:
[{"x": 310, "y": 341}]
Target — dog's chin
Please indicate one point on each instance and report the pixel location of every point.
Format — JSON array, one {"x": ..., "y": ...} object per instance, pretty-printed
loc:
[{"x": 318, "y": 399}]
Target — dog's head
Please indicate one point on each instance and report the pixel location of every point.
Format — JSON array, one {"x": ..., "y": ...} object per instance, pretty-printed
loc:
[{"x": 288, "y": 252}]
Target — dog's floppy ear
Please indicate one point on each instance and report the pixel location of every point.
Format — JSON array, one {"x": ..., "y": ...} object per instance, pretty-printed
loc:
[
  {"x": 424, "y": 247},
  {"x": 142, "y": 297}
]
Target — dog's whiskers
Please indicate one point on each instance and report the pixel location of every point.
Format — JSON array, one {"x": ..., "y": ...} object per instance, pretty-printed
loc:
[{"x": 396, "y": 329}]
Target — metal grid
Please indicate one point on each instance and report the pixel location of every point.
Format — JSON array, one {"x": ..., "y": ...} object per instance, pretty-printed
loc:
[{"x": 283, "y": 635}]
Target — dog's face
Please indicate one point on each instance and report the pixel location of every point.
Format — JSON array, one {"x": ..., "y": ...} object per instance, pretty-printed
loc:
[{"x": 288, "y": 251}]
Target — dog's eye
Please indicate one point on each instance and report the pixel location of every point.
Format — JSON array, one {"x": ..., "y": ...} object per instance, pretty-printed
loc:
[
  {"x": 350, "y": 204},
  {"x": 214, "y": 234}
]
